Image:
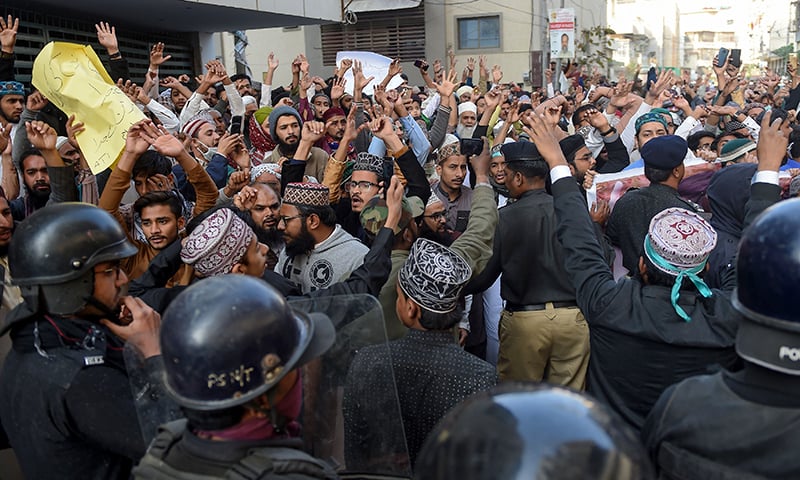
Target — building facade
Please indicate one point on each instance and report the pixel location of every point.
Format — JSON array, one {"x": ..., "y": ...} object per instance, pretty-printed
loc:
[{"x": 510, "y": 33}]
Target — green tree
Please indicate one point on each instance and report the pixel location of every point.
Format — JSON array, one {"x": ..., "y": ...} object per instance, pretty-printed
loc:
[
  {"x": 593, "y": 47},
  {"x": 784, "y": 51}
]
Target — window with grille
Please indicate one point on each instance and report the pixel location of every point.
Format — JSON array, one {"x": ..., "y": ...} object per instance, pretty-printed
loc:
[
  {"x": 479, "y": 32},
  {"x": 393, "y": 33}
]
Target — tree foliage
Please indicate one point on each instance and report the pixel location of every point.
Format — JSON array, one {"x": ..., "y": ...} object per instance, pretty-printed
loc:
[{"x": 593, "y": 47}]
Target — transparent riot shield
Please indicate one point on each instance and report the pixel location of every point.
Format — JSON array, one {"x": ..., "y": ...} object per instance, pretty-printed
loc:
[
  {"x": 153, "y": 406},
  {"x": 351, "y": 412}
]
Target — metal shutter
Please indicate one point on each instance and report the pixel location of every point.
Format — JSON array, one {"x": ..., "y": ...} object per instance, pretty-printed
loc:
[
  {"x": 43, "y": 25},
  {"x": 393, "y": 33}
]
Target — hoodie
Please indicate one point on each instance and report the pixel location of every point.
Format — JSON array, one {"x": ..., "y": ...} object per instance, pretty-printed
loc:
[{"x": 331, "y": 261}]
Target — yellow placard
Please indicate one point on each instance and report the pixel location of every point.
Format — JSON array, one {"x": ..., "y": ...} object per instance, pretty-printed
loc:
[{"x": 72, "y": 77}]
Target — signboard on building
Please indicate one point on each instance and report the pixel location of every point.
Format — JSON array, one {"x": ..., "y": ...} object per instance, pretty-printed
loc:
[{"x": 562, "y": 32}]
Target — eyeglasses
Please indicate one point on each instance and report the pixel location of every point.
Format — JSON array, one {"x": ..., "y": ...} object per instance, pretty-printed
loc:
[
  {"x": 114, "y": 270},
  {"x": 363, "y": 186},
  {"x": 436, "y": 216},
  {"x": 286, "y": 220}
]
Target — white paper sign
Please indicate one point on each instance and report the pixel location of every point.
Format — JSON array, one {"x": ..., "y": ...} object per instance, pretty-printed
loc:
[{"x": 373, "y": 65}]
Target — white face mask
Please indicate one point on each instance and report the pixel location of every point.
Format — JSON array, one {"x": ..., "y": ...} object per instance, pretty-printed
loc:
[
  {"x": 209, "y": 152},
  {"x": 584, "y": 131}
]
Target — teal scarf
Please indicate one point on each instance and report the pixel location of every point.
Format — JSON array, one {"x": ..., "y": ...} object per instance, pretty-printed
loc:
[{"x": 690, "y": 273}]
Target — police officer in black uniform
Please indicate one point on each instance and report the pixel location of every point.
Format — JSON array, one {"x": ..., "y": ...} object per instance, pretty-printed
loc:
[
  {"x": 232, "y": 347},
  {"x": 65, "y": 398},
  {"x": 532, "y": 432}
]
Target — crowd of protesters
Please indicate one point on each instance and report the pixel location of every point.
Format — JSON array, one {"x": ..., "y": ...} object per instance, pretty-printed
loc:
[{"x": 461, "y": 206}]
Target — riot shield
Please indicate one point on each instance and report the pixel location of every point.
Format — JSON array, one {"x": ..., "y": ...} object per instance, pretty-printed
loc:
[
  {"x": 153, "y": 406},
  {"x": 351, "y": 412}
]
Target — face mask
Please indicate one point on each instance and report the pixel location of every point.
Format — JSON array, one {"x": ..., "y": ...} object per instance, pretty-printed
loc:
[
  {"x": 209, "y": 151},
  {"x": 584, "y": 131}
]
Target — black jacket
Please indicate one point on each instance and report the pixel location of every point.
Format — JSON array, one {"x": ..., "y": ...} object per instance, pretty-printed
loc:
[
  {"x": 640, "y": 346},
  {"x": 742, "y": 424},
  {"x": 66, "y": 400}
]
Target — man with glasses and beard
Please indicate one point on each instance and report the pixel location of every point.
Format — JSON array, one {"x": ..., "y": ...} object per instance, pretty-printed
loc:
[
  {"x": 434, "y": 222},
  {"x": 318, "y": 252}
]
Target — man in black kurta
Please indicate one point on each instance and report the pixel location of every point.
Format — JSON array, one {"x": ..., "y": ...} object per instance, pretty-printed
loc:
[
  {"x": 743, "y": 424},
  {"x": 640, "y": 342},
  {"x": 427, "y": 369}
]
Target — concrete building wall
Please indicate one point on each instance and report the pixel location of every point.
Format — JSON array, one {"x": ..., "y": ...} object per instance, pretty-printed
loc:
[
  {"x": 653, "y": 28},
  {"x": 523, "y": 24}
]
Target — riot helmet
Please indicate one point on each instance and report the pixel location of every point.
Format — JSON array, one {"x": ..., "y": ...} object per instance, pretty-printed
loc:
[
  {"x": 53, "y": 253},
  {"x": 228, "y": 339},
  {"x": 767, "y": 273},
  {"x": 532, "y": 432}
]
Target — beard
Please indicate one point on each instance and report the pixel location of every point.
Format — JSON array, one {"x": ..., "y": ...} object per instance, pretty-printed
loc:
[
  {"x": 271, "y": 237},
  {"x": 39, "y": 197},
  {"x": 465, "y": 132},
  {"x": 288, "y": 149},
  {"x": 303, "y": 244},
  {"x": 442, "y": 238}
]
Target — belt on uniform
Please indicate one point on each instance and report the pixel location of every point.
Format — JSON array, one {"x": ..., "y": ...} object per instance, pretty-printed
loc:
[{"x": 513, "y": 307}]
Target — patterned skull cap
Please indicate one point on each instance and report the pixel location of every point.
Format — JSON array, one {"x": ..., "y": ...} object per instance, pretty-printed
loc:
[
  {"x": 259, "y": 170},
  {"x": 11, "y": 88},
  {"x": 312, "y": 194},
  {"x": 367, "y": 162},
  {"x": 433, "y": 276},
  {"x": 219, "y": 242},
  {"x": 683, "y": 238},
  {"x": 433, "y": 200},
  {"x": 448, "y": 150}
]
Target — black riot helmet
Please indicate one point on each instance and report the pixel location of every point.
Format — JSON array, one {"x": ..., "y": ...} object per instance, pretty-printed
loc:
[
  {"x": 768, "y": 272},
  {"x": 226, "y": 340},
  {"x": 53, "y": 253},
  {"x": 531, "y": 432}
]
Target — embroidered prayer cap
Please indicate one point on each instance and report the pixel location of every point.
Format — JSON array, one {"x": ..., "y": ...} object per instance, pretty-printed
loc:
[
  {"x": 735, "y": 149},
  {"x": 433, "y": 200},
  {"x": 678, "y": 243},
  {"x": 467, "y": 107},
  {"x": 733, "y": 125},
  {"x": 11, "y": 88},
  {"x": 311, "y": 194},
  {"x": 650, "y": 117},
  {"x": 367, "y": 162},
  {"x": 373, "y": 215},
  {"x": 217, "y": 243},
  {"x": 521, "y": 151},
  {"x": 451, "y": 146},
  {"x": 683, "y": 238},
  {"x": 259, "y": 170},
  {"x": 433, "y": 276},
  {"x": 665, "y": 152}
]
